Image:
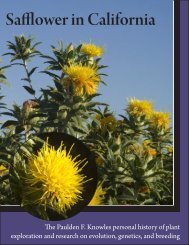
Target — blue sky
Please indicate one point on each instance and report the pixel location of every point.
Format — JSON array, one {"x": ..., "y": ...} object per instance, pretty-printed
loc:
[{"x": 139, "y": 58}]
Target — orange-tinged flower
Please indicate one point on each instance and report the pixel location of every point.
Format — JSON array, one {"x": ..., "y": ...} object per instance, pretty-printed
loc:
[{"x": 150, "y": 151}]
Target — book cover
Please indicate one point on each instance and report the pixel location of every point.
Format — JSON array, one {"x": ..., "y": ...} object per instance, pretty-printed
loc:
[{"x": 94, "y": 122}]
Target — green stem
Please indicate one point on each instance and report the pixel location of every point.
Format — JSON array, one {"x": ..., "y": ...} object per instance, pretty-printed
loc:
[
  {"x": 28, "y": 76},
  {"x": 4, "y": 177}
]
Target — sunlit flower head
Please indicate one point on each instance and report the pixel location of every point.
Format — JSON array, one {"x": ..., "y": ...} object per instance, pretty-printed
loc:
[
  {"x": 99, "y": 196},
  {"x": 160, "y": 120},
  {"x": 85, "y": 79},
  {"x": 138, "y": 108},
  {"x": 53, "y": 179},
  {"x": 92, "y": 50}
]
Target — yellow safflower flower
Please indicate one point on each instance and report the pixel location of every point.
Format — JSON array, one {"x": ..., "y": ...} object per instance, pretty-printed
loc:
[
  {"x": 138, "y": 108},
  {"x": 92, "y": 50},
  {"x": 53, "y": 178},
  {"x": 160, "y": 120},
  {"x": 85, "y": 79},
  {"x": 99, "y": 196}
]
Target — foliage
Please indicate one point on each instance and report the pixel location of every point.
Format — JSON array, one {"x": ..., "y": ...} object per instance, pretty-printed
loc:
[{"x": 133, "y": 152}]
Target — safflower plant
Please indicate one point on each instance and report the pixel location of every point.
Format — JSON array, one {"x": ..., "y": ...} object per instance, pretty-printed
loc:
[{"x": 133, "y": 152}]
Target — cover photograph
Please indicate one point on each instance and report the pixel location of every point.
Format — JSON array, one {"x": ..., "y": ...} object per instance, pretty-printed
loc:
[{"x": 94, "y": 122}]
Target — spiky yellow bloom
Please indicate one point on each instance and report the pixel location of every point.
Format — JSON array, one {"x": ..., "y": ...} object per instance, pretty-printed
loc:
[
  {"x": 92, "y": 50},
  {"x": 99, "y": 196},
  {"x": 138, "y": 108},
  {"x": 160, "y": 120},
  {"x": 85, "y": 79},
  {"x": 53, "y": 178}
]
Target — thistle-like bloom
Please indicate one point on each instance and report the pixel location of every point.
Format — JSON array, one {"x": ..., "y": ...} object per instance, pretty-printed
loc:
[
  {"x": 53, "y": 179},
  {"x": 160, "y": 120},
  {"x": 92, "y": 50},
  {"x": 85, "y": 79},
  {"x": 138, "y": 108},
  {"x": 99, "y": 196}
]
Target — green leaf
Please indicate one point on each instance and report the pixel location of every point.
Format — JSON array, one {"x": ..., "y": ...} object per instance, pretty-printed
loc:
[
  {"x": 51, "y": 74},
  {"x": 4, "y": 177},
  {"x": 25, "y": 79},
  {"x": 19, "y": 129},
  {"x": 8, "y": 114},
  {"x": 63, "y": 107},
  {"x": 32, "y": 71},
  {"x": 148, "y": 201},
  {"x": 29, "y": 90},
  {"x": 9, "y": 123}
]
